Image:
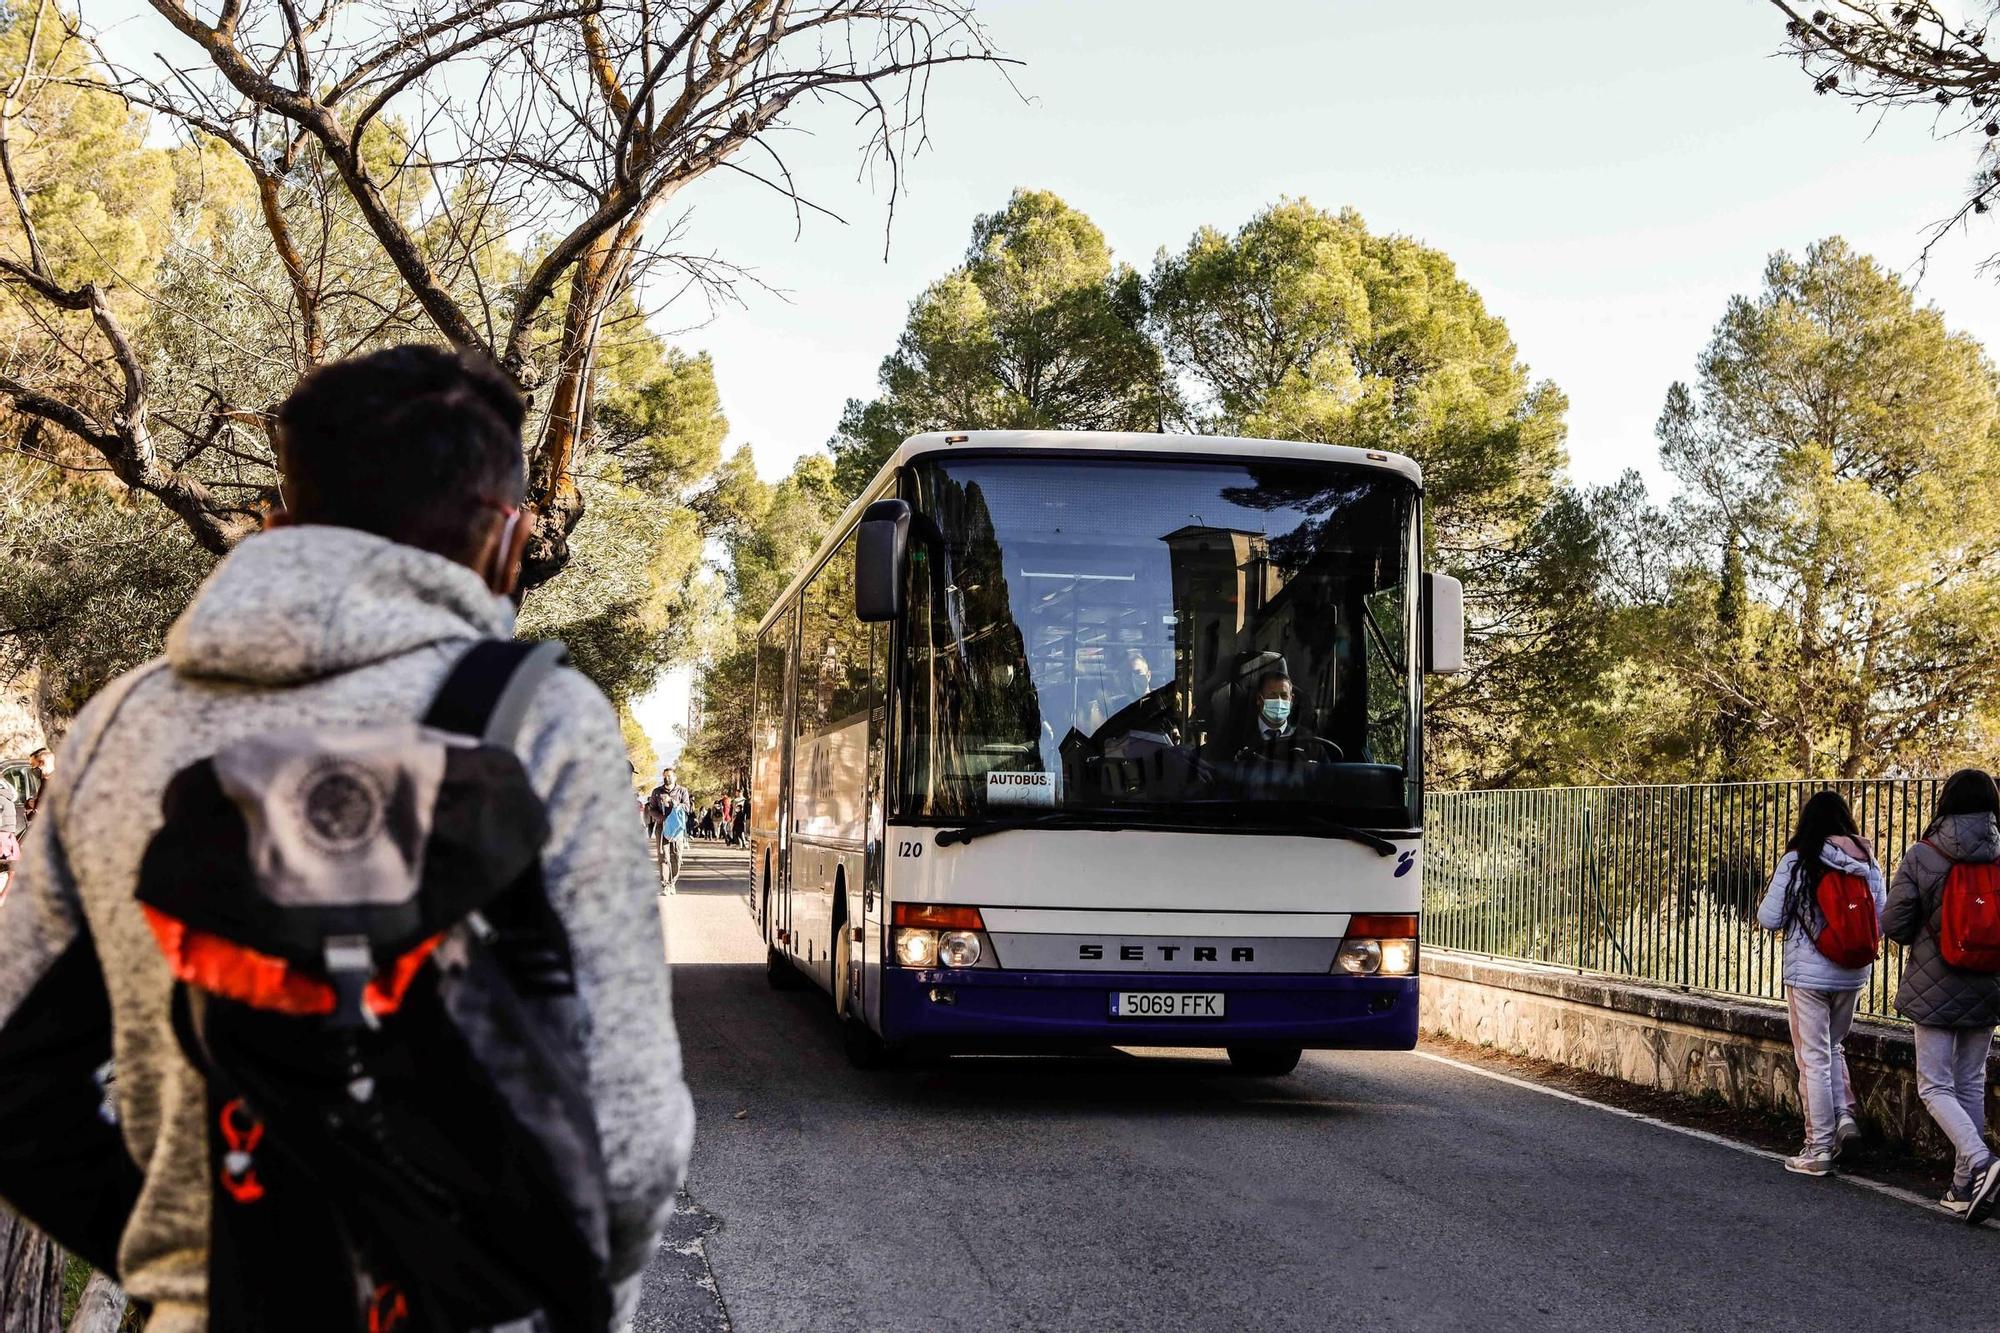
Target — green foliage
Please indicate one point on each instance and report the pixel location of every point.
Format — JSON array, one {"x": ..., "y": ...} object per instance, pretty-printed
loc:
[
  {"x": 1833, "y": 444},
  {"x": 1269, "y": 315},
  {"x": 639, "y": 748},
  {"x": 1037, "y": 330},
  {"x": 1303, "y": 325},
  {"x": 100, "y": 196},
  {"x": 637, "y": 595},
  {"x": 90, "y": 579},
  {"x": 768, "y": 533}
]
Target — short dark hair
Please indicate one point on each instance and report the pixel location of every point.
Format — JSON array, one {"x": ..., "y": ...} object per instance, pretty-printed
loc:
[
  {"x": 1270, "y": 676},
  {"x": 408, "y": 443},
  {"x": 1970, "y": 791}
]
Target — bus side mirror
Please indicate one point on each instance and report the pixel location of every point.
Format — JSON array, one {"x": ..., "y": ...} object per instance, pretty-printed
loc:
[
  {"x": 1444, "y": 623},
  {"x": 881, "y": 548}
]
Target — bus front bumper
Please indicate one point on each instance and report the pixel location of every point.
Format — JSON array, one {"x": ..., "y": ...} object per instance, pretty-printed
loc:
[{"x": 974, "y": 1009}]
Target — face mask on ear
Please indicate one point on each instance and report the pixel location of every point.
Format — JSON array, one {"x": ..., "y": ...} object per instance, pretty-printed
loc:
[
  {"x": 510, "y": 523},
  {"x": 1277, "y": 711}
]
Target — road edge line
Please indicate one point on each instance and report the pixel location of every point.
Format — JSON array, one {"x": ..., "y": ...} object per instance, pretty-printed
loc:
[{"x": 1706, "y": 1136}]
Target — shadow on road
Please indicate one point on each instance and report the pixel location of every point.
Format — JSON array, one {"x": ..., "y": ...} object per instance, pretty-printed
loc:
[{"x": 737, "y": 1030}]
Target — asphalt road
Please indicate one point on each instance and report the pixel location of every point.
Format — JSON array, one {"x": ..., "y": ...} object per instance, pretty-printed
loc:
[{"x": 1156, "y": 1191}]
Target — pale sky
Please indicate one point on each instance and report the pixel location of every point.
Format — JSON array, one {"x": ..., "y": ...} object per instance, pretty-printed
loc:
[{"x": 1607, "y": 173}]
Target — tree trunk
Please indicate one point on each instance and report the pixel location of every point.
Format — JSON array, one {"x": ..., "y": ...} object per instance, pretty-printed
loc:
[
  {"x": 551, "y": 477},
  {"x": 595, "y": 282},
  {"x": 31, "y": 1269},
  {"x": 102, "y": 1308}
]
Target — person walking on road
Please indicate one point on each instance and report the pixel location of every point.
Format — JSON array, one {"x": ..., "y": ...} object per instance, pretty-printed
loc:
[
  {"x": 1942, "y": 905},
  {"x": 394, "y": 558},
  {"x": 667, "y": 804},
  {"x": 1826, "y": 880},
  {"x": 673, "y": 844}
]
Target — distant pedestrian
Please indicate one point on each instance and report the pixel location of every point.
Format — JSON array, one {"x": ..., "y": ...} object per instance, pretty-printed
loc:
[
  {"x": 43, "y": 762},
  {"x": 1827, "y": 897},
  {"x": 1945, "y": 905},
  {"x": 673, "y": 844},
  {"x": 664, "y": 799}
]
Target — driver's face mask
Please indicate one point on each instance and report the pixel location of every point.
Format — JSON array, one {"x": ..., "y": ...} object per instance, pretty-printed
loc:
[{"x": 1277, "y": 711}]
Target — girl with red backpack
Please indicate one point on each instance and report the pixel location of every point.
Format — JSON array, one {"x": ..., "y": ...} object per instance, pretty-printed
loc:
[
  {"x": 1827, "y": 898},
  {"x": 1945, "y": 905}
]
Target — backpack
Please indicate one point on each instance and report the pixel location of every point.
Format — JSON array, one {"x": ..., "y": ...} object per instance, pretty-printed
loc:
[
  {"x": 1969, "y": 915},
  {"x": 383, "y": 1006},
  {"x": 1849, "y": 933}
]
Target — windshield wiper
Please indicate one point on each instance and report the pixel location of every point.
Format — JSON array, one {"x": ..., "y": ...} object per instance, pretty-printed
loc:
[
  {"x": 1315, "y": 826},
  {"x": 1115, "y": 820},
  {"x": 1108, "y": 820}
]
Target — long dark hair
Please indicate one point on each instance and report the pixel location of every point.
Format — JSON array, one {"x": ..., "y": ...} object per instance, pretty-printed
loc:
[
  {"x": 1970, "y": 791},
  {"x": 1824, "y": 815}
]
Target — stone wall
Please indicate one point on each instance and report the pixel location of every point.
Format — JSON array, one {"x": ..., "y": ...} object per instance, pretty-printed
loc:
[{"x": 1673, "y": 1040}]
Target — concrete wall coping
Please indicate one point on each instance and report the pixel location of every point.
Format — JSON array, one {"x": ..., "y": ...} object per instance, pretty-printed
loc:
[{"x": 1762, "y": 1019}]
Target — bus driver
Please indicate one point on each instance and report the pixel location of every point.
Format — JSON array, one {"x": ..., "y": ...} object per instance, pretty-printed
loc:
[{"x": 1272, "y": 736}]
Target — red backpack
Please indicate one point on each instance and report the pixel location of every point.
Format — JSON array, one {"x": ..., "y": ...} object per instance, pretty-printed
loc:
[
  {"x": 1851, "y": 935},
  {"x": 1969, "y": 916}
]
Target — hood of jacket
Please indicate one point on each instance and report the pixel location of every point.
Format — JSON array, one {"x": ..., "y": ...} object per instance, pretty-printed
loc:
[
  {"x": 1973, "y": 837},
  {"x": 1845, "y": 855},
  {"x": 298, "y": 604}
]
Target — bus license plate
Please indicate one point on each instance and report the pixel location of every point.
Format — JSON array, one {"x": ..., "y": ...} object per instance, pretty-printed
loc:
[{"x": 1166, "y": 1004}]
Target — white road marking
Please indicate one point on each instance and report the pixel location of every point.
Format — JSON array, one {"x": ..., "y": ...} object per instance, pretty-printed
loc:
[{"x": 1929, "y": 1205}]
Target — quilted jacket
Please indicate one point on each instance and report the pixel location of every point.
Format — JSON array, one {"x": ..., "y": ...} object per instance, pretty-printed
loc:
[{"x": 1934, "y": 993}]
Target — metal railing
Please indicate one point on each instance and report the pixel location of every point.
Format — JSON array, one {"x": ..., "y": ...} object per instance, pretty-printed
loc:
[{"x": 1660, "y": 884}]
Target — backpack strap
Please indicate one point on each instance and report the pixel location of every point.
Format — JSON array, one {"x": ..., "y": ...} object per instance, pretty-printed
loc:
[{"x": 488, "y": 690}]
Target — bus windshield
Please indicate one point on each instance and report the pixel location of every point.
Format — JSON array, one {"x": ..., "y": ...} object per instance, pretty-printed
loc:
[{"x": 1208, "y": 643}]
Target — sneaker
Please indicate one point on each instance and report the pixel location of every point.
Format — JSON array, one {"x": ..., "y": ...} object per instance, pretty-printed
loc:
[
  {"x": 1845, "y": 1132},
  {"x": 1810, "y": 1163},
  {"x": 1985, "y": 1192},
  {"x": 1957, "y": 1201}
]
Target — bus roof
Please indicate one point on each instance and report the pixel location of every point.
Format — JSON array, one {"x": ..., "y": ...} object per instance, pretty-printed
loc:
[{"x": 1097, "y": 441}]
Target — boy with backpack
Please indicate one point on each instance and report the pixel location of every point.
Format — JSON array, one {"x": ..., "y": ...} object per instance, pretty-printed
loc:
[
  {"x": 1945, "y": 905},
  {"x": 378, "y": 953},
  {"x": 1827, "y": 898}
]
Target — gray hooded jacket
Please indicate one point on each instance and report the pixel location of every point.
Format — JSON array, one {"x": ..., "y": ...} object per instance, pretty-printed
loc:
[
  {"x": 322, "y": 626},
  {"x": 1934, "y": 993}
]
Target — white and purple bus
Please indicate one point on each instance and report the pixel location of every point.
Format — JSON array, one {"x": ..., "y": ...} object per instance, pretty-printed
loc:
[{"x": 1072, "y": 740}]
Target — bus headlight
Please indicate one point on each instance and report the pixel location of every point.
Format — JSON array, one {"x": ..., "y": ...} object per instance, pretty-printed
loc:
[
  {"x": 1361, "y": 957},
  {"x": 958, "y": 948},
  {"x": 1379, "y": 945},
  {"x": 940, "y": 935},
  {"x": 917, "y": 948},
  {"x": 1399, "y": 957}
]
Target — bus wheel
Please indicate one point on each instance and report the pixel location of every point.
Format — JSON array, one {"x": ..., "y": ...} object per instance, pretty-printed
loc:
[
  {"x": 864, "y": 1049},
  {"x": 1264, "y": 1061},
  {"x": 778, "y": 970}
]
